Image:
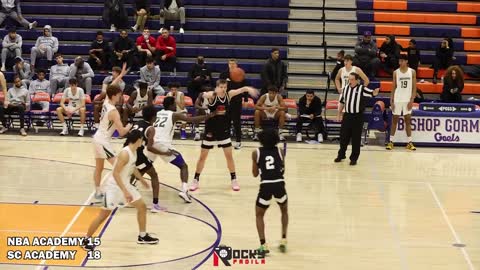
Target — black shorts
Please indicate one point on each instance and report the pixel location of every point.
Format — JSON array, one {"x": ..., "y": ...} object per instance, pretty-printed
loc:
[
  {"x": 217, "y": 133},
  {"x": 143, "y": 164},
  {"x": 267, "y": 190}
]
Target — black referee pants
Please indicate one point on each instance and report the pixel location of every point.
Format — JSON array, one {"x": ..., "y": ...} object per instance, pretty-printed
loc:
[{"x": 351, "y": 130}]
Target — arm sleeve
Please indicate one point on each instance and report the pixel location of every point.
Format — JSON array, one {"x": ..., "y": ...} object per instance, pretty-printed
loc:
[
  {"x": 20, "y": 41},
  {"x": 5, "y": 42}
]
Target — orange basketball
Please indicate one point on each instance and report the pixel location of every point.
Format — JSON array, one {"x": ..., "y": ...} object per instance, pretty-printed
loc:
[{"x": 237, "y": 75}]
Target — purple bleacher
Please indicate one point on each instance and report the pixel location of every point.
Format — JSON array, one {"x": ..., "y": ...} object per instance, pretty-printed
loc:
[
  {"x": 365, "y": 4},
  {"x": 422, "y": 31},
  {"x": 364, "y": 16},
  {"x": 432, "y": 6}
]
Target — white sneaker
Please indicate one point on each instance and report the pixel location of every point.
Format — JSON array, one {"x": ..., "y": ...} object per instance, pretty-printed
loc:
[
  {"x": 181, "y": 31},
  {"x": 299, "y": 137},
  {"x": 23, "y": 132},
  {"x": 64, "y": 132},
  {"x": 235, "y": 185},
  {"x": 156, "y": 208},
  {"x": 282, "y": 138},
  {"x": 134, "y": 28},
  {"x": 3, "y": 130},
  {"x": 255, "y": 137},
  {"x": 238, "y": 145},
  {"x": 185, "y": 196},
  {"x": 197, "y": 136},
  {"x": 160, "y": 31},
  {"x": 80, "y": 132},
  {"x": 3, "y": 69},
  {"x": 113, "y": 28},
  {"x": 194, "y": 185},
  {"x": 32, "y": 25},
  {"x": 320, "y": 138}
]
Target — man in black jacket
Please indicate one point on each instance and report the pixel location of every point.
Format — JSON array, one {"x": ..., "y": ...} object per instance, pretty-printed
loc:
[
  {"x": 443, "y": 57},
  {"x": 123, "y": 50},
  {"x": 200, "y": 76},
  {"x": 310, "y": 111},
  {"x": 274, "y": 73},
  {"x": 99, "y": 53}
]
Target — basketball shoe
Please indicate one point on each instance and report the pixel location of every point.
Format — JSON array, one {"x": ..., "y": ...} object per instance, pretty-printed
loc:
[
  {"x": 283, "y": 245},
  {"x": 389, "y": 146},
  {"x": 263, "y": 249},
  {"x": 410, "y": 146},
  {"x": 147, "y": 239},
  {"x": 235, "y": 185},
  {"x": 194, "y": 185}
]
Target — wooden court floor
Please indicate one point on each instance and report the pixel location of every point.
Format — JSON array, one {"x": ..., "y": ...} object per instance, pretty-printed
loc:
[{"x": 394, "y": 210}]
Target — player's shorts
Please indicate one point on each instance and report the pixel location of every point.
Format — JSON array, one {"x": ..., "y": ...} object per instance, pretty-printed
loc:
[
  {"x": 269, "y": 190},
  {"x": 143, "y": 162},
  {"x": 270, "y": 115},
  {"x": 103, "y": 150},
  {"x": 401, "y": 108},
  {"x": 114, "y": 196},
  {"x": 72, "y": 108},
  {"x": 174, "y": 159},
  {"x": 211, "y": 139}
]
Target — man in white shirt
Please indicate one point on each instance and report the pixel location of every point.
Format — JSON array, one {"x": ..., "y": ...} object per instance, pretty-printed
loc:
[{"x": 75, "y": 97}]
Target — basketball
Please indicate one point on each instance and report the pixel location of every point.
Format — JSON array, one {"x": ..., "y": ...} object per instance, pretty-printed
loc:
[{"x": 237, "y": 75}]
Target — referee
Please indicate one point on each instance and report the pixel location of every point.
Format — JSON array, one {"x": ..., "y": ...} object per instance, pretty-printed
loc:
[{"x": 352, "y": 99}]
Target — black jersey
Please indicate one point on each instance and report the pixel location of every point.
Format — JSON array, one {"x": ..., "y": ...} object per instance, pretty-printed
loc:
[
  {"x": 219, "y": 125},
  {"x": 218, "y": 101},
  {"x": 270, "y": 164},
  {"x": 142, "y": 125}
]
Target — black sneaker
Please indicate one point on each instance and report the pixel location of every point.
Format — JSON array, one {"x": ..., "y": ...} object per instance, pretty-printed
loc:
[
  {"x": 147, "y": 239},
  {"x": 353, "y": 162},
  {"x": 87, "y": 246},
  {"x": 338, "y": 159}
]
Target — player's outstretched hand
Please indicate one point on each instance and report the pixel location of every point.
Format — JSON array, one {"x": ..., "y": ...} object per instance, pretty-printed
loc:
[{"x": 254, "y": 93}]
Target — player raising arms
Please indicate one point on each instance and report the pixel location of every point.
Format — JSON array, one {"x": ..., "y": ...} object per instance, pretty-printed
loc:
[
  {"x": 160, "y": 139},
  {"x": 144, "y": 164},
  {"x": 109, "y": 122},
  {"x": 217, "y": 129},
  {"x": 268, "y": 161},
  {"x": 119, "y": 192}
]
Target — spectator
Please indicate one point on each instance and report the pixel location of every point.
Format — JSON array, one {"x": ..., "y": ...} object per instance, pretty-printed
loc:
[
  {"x": 142, "y": 10},
  {"x": 115, "y": 14},
  {"x": 12, "y": 46},
  {"x": 75, "y": 97},
  {"x": 452, "y": 85},
  {"x": 140, "y": 98},
  {"x": 310, "y": 111},
  {"x": 115, "y": 78},
  {"x": 40, "y": 85},
  {"x": 19, "y": 100},
  {"x": 172, "y": 10},
  {"x": 11, "y": 8},
  {"x": 413, "y": 54},
  {"x": 99, "y": 53},
  {"x": 443, "y": 57},
  {"x": 123, "y": 50},
  {"x": 59, "y": 74},
  {"x": 366, "y": 55},
  {"x": 235, "y": 102},
  {"x": 272, "y": 107},
  {"x": 274, "y": 73},
  {"x": 339, "y": 64},
  {"x": 151, "y": 74},
  {"x": 145, "y": 46},
  {"x": 390, "y": 53},
  {"x": 166, "y": 50},
  {"x": 175, "y": 92},
  {"x": 46, "y": 45},
  {"x": 83, "y": 73},
  {"x": 23, "y": 70},
  {"x": 200, "y": 76}
]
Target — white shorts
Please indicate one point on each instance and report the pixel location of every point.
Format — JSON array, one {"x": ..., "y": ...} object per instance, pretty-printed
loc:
[
  {"x": 162, "y": 148},
  {"x": 114, "y": 195},
  {"x": 401, "y": 108},
  {"x": 270, "y": 115},
  {"x": 103, "y": 150},
  {"x": 72, "y": 108}
]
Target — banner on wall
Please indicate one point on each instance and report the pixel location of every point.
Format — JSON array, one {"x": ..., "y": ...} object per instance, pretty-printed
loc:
[{"x": 441, "y": 130}]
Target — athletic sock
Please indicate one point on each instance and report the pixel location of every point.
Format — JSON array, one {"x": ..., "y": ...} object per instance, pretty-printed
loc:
[
  {"x": 409, "y": 139},
  {"x": 284, "y": 236},
  {"x": 233, "y": 176},
  {"x": 392, "y": 138},
  {"x": 81, "y": 126},
  {"x": 262, "y": 241},
  {"x": 155, "y": 200},
  {"x": 64, "y": 125},
  {"x": 184, "y": 187},
  {"x": 98, "y": 190},
  {"x": 142, "y": 234},
  {"x": 197, "y": 176}
]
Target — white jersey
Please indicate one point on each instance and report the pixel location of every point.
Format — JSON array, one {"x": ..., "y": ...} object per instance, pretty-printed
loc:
[
  {"x": 105, "y": 128},
  {"x": 140, "y": 101},
  {"x": 344, "y": 73},
  {"x": 74, "y": 101},
  {"x": 271, "y": 103},
  {"x": 178, "y": 99},
  {"x": 127, "y": 171},
  {"x": 403, "y": 92},
  {"x": 164, "y": 128}
]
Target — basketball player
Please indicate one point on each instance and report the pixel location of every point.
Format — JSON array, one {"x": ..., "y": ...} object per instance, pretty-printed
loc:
[
  {"x": 119, "y": 192},
  {"x": 144, "y": 164},
  {"x": 268, "y": 162},
  {"x": 201, "y": 108},
  {"x": 76, "y": 105},
  {"x": 109, "y": 122},
  {"x": 115, "y": 79},
  {"x": 404, "y": 91},
  {"x": 341, "y": 80},
  {"x": 139, "y": 99},
  {"x": 217, "y": 129},
  {"x": 180, "y": 101},
  {"x": 270, "y": 106},
  {"x": 160, "y": 140}
]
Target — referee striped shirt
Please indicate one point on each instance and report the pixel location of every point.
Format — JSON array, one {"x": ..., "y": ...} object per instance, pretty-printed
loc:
[{"x": 353, "y": 98}]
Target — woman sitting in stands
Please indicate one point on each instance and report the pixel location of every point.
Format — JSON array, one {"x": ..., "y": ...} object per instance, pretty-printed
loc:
[{"x": 452, "y": 85}]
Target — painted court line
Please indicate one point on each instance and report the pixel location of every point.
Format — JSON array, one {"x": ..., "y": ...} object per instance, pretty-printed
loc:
[
  {"x": 454, "y": 233},
  {"x": 46, "y": 232}
]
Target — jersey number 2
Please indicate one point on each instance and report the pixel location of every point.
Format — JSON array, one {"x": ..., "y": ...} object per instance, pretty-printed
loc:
[{"x": 269, "y": 163}]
